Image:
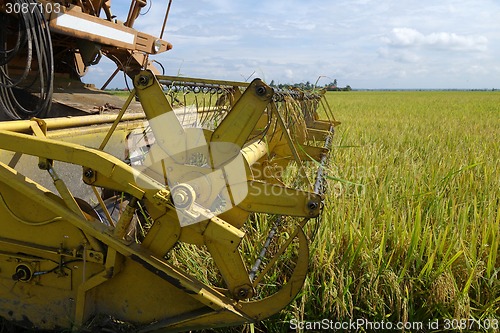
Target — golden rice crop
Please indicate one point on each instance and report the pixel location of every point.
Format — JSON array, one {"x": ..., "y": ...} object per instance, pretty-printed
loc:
[{"x": 411, "y": 226}]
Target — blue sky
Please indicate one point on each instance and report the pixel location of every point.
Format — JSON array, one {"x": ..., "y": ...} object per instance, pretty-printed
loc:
[{"x": 362, "y": 43}]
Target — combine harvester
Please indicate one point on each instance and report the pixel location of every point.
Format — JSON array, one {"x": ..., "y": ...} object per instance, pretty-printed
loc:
[{"x": 98, "y": 202}]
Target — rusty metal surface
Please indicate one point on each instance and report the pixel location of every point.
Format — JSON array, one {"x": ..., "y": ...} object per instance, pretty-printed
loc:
[
  {"x": 90, "y": 101},
  {"x": 83, "y": 101}
]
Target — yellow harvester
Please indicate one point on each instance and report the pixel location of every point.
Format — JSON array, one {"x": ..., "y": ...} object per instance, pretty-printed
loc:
[{"x": 100, "y": 198}]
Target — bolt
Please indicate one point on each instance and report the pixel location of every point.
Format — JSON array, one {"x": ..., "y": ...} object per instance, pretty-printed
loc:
[
  {"x": 179, "y": 198},
  {"x": 143, "y": 80},
  {"x": 23, "y": 273},
  {"x": 43, "y": 165},
  {"x": 182, "y": 196},
  {"x": 242, "y": 293},
  {"x": 89, "y": 173},
  {"x": 312, "y": 205},
  {"x": 260, "y": 90}
]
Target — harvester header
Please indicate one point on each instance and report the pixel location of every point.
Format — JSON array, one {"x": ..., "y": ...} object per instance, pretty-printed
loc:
[{"x": 103, "y": 213}]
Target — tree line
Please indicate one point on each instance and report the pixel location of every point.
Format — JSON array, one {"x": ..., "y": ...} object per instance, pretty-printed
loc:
[{"x": 332, "y": 86}]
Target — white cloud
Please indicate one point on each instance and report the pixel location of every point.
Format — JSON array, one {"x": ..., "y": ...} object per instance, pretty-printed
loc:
[
  {"x": 95, "y": 70},
  {"x": 404, "y": 37},
  {"x": 477, "y": 70},
  {"x": 203, "y": 40}
]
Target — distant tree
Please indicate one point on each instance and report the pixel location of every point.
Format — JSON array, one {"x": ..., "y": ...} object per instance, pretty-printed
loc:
[{"x": 332, "y": 86}]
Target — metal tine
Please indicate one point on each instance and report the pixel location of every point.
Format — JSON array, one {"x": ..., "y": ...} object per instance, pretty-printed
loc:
[{"x": 262, "y": 254}]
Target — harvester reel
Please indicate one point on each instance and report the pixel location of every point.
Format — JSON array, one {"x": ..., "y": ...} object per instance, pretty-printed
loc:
[{"x": 224, "y": 172}]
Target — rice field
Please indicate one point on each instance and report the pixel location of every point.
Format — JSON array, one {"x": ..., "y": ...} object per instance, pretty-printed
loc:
[
  {"x": 410, "y": 230},
  {"x": 411, "y": 225}
]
